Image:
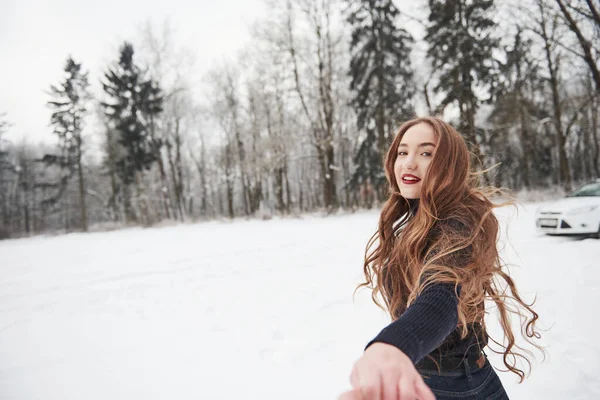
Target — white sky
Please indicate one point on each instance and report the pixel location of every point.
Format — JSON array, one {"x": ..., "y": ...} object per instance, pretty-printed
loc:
[{"x": 36, "y": 37}]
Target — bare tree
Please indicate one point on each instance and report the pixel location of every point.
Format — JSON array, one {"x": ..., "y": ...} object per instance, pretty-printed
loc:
[
  {"x": 588, "y": 17},
  {"x": 547, "y": 26},
  {"x": 172, "y": 65},
  {"x": 321, "y": 116},
  {"x": 227, "y": 110}
]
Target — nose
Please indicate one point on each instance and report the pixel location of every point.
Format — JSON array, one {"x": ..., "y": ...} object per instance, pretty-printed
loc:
[{"x": 409, "y": 163}]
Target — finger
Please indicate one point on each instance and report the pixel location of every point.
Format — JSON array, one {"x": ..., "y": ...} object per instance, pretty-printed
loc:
[
  {"x": 423, "y": 391},
  {"x": 406, "y": 390},
  {"x": 354, "y": 394},
  {"x": 369, "y": 381},
  {"x": 354, "y": 381},
  {"x": 370, "y": 393},
  {"x": 389, "y": 385},
  {"x": 360, "y": 394}
]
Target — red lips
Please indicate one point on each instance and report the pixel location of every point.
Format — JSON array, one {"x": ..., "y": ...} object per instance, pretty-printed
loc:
[{"x": 410, "y": 179}]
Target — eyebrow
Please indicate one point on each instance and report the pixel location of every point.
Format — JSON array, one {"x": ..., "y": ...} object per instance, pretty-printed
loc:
[{"x": 420, "y": 145}]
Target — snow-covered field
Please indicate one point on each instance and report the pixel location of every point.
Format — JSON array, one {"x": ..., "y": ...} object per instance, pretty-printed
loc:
[{"x": 250, "y": 310}]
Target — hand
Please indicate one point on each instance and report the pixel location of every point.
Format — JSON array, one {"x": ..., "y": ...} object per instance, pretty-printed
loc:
[{"x": 384, "y": 372}]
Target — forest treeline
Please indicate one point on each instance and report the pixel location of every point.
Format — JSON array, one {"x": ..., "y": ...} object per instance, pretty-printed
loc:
[{"x": 301, "y": 119}]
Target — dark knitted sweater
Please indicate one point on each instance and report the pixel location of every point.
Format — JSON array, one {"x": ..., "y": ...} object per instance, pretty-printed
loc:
[{"x": 429, "y": 326}]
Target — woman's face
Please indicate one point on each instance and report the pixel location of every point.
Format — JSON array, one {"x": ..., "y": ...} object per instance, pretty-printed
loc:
[{"x": 415, "y": 153}]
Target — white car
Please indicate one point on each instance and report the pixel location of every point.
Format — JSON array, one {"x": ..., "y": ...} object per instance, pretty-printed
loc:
[{"x": 576, "y": 214}]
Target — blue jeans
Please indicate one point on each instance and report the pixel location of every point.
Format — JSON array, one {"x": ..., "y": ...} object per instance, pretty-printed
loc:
[{"x": 469, "y": 382}]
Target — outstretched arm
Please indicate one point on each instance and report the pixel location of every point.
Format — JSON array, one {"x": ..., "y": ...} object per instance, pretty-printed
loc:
[
  {"x": 386, "y": 370},
  {"x": 425, "y": 324}
]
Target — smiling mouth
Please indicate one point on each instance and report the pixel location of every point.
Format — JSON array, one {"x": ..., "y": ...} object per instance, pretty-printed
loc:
[{"x": 410, "y": 180}]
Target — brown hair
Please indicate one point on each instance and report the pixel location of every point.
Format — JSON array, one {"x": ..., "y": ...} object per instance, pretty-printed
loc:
[{"x": 399, "y": 267}]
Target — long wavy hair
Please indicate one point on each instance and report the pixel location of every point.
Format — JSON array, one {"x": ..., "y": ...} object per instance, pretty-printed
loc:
[{"x": 398, "y": 267}]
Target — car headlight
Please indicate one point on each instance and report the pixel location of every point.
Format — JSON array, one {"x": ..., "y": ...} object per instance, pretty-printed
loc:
[{"x": 581, "y": 210}]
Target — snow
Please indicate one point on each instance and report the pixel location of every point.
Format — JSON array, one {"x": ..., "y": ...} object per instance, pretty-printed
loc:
[{"x": 251, "y": 310}]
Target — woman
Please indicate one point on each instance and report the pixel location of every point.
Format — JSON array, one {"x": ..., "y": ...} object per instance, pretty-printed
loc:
[{"x": 434, "y": 261}]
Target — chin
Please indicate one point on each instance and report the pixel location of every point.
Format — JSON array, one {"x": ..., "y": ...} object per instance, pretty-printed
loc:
[{"x": 410, "y": 194}]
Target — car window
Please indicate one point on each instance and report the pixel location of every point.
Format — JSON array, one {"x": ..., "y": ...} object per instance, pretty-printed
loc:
[{"x": 591, "y": 189}]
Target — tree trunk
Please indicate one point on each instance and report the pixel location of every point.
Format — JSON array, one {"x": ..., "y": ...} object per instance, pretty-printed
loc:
[
  {"x": 525, "y": 143},
  {"x": 584, "y": 147},
  {"x": 322, "y": 123},
  {"x": 178, "y": 173},
  {"x": 82, "y": 205},
  {"x": 325, "y": 79},
  {"x": 130, "y": 214},
  {"x": 332, "y": 202},
  {"x": 300, "y": 198},
  {"x": 175, "y": 172},
  {"x": 141, "y": 199},
  {"x": 278, "y": 154},
  {"x": 594, "y": 133},
  {"x": 381, "y": 185},
  {"x": 202, "y": 171},
  {"x": 325, "y": 157},
  {"x": 288, "y": 194},
  {"x": 279, "y": 189},
  {"x": 26, "y": 212},
  {"x": 427, "y": 100},
  {"x": 565, "y": 174},
  {"x": 112, "y": 202},
  {"x": 228, "y": 165},
  {"x": 201, "y": 168},
  {"x": 174, "y": 204},
  {"x": 232, "y": 102},
  {"x": 4, "y": 200},
  {"x": 164, "y": 187}
]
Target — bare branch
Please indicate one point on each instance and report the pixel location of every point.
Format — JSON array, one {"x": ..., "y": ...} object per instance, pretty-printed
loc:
[{"x": 585, "y": 44}]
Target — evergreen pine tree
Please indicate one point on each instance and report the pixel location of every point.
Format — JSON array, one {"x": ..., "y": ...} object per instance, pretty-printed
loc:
[
  {"x": 461, "y": 46},
  {"x": 382, "y": 78},
  {"x": 69, "y": 104},
  {"x": 133, "y": 103}
]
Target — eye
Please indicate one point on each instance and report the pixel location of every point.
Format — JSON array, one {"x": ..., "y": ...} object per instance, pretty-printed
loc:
[
  {"x": 401, "y": 153},
  {"x": 427, "y": 153}
]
